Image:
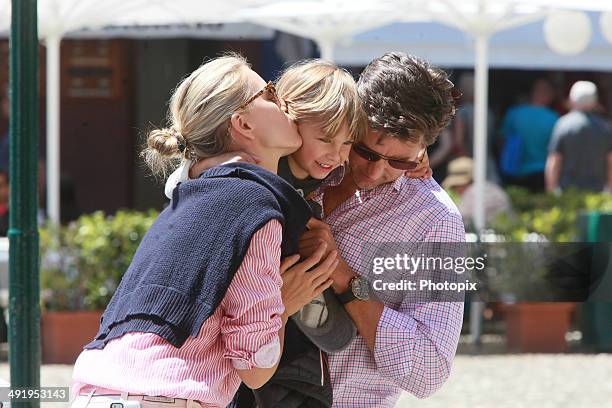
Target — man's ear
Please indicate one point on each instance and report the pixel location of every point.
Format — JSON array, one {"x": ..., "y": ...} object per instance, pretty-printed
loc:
[{"x": 241, "y": 129}]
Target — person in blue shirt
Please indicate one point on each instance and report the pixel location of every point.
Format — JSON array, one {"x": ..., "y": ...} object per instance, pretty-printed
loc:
[{"x": 532, "y": 124}]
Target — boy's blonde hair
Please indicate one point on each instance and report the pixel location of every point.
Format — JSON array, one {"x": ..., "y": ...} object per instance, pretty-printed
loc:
[
  {"x": 199, "y": 114},
  {"x": 320, "y": 92}
]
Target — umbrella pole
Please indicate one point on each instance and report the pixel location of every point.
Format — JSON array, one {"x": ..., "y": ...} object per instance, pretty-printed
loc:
[
  {"x": 327, "y": 49},
  {"x": 53, "y": 127},
  {"x": 481, "y": 75},
  {"x": 24, "y": 306}
]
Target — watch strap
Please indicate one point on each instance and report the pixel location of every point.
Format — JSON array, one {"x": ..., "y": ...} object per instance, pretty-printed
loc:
[{"x": 347, "y": 295}]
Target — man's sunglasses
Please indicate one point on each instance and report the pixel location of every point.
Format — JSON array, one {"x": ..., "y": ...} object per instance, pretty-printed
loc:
[{"x": 369, "y": 155}]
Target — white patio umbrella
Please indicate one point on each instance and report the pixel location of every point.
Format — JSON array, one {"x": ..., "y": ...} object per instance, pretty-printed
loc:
[
  {"x": 56, "y": 18},
  {"x": 481, "y": 19},
  {"x": 59, "y": 17},
  {"x": 523, "y": 47},
  {"x": 327, "y": 22},
  {"x": 210, "y": 31}
]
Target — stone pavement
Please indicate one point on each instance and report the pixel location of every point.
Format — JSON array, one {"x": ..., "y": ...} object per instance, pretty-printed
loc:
[
  {"x": 524, "y": 380},
  {"x": 485, "y": 381}
]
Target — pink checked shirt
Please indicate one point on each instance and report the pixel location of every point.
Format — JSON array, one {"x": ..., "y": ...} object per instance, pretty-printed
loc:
[
  {"x": 415, "y": 342},
  {"x": 242, "y": 333}
]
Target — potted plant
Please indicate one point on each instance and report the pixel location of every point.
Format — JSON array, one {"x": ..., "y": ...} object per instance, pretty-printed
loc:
[
  {"x": 519, "y": 274},
  {"x": 536, "y": 323},
  {"x": 81, "y": 265}
]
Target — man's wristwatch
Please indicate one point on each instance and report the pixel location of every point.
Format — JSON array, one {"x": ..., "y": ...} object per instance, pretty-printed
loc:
[{"x": 359, "y": 288}]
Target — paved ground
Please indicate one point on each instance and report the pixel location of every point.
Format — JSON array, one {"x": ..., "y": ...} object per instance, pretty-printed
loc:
[
  {"x": 536, "y": 380},
  {"x": 489, "y": 381}
]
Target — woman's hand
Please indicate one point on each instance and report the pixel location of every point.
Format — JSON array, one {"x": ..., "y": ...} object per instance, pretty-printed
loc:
[
  {"x": 422, "y": 171},
  {"x": 302, "y": 281},
  {"x": 210, "y": 162}
]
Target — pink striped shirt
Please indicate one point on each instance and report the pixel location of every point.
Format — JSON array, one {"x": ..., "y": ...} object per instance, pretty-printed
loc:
[{"x": 241, "y": 334}]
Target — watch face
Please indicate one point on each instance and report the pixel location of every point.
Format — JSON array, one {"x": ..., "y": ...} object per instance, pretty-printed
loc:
[{"x": 360, "y": 288}]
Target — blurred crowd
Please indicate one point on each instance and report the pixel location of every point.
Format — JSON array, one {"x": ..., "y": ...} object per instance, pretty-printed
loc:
[
  {"x": 533, "y": 147},
  {"x": 4, "y": 168}
]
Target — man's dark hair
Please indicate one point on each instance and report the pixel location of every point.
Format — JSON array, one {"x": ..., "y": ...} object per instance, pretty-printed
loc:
[{"x": 406, "y": 97}]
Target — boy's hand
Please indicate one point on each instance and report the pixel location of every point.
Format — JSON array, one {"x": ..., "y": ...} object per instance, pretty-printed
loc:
[
  {"x": 422, "y": 171},
  {"x": 306, "y": 280},
  {"x": 318, "y": 233}
]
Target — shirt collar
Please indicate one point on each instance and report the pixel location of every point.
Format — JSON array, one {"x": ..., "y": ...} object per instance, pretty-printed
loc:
[
  {"x": 335, "y": 177},
  {"x": 398, "y": 186},
  {"x": 338, "y": 174},
  {"x": 400, "y": 183}
]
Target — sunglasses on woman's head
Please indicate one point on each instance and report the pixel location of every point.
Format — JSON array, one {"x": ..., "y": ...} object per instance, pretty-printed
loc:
[
  {"x": 269, "y": 92},
  {"x": 372, "y": 156}
]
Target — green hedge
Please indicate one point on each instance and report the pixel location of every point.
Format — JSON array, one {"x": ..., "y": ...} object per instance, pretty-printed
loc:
[
  {"x": 83, "y": 262},
  {"x": 551, "y": 215},
  {"x": 536, "y": 217}
]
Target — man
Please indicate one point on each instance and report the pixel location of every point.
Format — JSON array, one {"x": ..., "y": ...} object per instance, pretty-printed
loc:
[
  {"x": 526, "y": 130},
  {"x": 460, "y": 180},
  {"x": 401, "y": 345},
  {"x": 580, "y": 151},
  {"x": 463, "y": 129}
]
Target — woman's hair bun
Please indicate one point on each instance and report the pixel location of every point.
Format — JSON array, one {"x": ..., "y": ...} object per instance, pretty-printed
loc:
[{"x": 162, "y": 150}]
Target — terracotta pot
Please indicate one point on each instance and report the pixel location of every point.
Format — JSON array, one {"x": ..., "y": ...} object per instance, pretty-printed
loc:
[
  {"x": 538, "y": 327},
  {"x": 64, "y": 334}
]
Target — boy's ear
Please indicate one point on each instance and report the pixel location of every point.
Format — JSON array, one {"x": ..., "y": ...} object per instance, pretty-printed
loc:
[{"x": 240, "y": 128}]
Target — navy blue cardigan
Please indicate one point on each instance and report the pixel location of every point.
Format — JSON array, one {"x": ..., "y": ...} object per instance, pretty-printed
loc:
[{"x": 187, "y": 259}]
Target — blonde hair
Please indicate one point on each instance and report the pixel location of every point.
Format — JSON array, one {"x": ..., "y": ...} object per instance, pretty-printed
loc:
[
  {"x": 199, "y": 114},
  {"x": 320, "y": 92}
]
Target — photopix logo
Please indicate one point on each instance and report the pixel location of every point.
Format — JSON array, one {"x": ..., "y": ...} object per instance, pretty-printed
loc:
[{"x": 497, "y": 271}]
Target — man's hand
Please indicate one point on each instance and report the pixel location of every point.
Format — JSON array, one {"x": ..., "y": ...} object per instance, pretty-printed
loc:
[
  {"x": 423, "y": 171},
  {"x": 306, "y": 280},
  {"x": 229, "y": 157}
]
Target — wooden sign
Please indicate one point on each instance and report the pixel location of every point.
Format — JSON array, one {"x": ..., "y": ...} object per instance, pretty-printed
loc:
[{"x": 92, "y": 69}]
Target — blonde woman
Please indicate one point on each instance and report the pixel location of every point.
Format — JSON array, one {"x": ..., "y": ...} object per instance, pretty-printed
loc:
[{"x": 203, "y": 307}]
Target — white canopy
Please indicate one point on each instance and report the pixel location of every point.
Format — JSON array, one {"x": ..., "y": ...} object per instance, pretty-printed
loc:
[
  {"x": 327, "y": 22},
  {"x": 522, "y": 47},
  {"x": 59, "y": 17},
  {"x": 220, "y": 31},
  {"x": 481, "y": 19}
]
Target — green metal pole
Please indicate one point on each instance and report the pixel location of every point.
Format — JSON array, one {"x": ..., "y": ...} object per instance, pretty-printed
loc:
[{"x": 24, "y": 305}]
